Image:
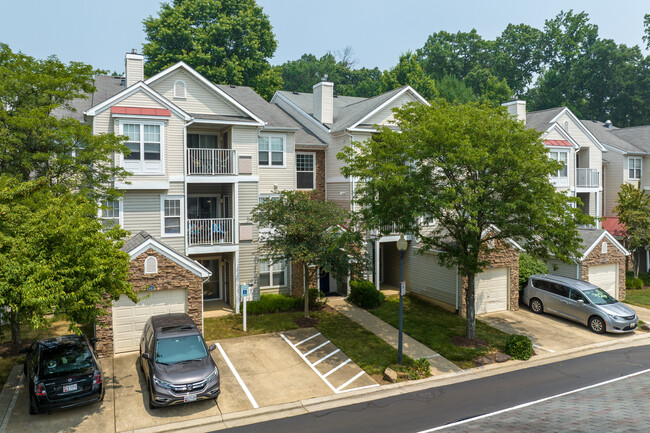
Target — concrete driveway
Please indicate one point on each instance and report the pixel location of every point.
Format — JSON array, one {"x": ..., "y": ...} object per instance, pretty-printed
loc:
[{"x": 548, "y": 333}]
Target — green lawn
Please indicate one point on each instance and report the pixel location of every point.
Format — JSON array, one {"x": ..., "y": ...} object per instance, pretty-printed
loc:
[
  {"x": 435, "y": 326},
  {"x": 638, "y": 297}
]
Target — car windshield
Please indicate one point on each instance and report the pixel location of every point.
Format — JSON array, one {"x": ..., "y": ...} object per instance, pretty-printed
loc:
[
  {"x": 65, "y": 359},
  {"x": 599, "y": 297},
  {"x": 176, "y": 349}
]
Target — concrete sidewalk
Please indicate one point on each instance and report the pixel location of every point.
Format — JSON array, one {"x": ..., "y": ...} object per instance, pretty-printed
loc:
[
  {"x": 642, "y": 313},
  {"x": 386, "y": 332}
]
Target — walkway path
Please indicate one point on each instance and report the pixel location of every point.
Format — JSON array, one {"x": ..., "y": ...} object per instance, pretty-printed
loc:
[{"x": 386, "y": 332}]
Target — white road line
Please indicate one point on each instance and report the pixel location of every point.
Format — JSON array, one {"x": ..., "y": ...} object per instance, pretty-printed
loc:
[
  {"x": 336, "y": 368},
  {"x": 306, "y": 339},
  {"x": 5, "y": 421},
  {"x": 316, "y": 348},
  {"x": 308, "y": 363},
  {"x": 543, "y": 348},
  {"x": 241, "y": 382},
  {"x": 350, "y": 381},
  {"x": 521, "y": 406},
  {"x": 325, "y": 357}
]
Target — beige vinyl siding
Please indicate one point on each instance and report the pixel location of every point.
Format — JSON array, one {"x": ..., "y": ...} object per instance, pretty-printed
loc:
[
  {"x": 614, "y": 177},
  {"x": 425, "y": 276},
  {"x": 247, "y": 263},
  {"x": 571, "y": 161},
  {"x": 247, "y": 200},
  {"x": 385, "y": 116},
  {"x": 244, "y": 140},
  {"x": 139, "y": 99},
  {"x": 283, "y": 177},
  {"x": 134, "y": 71},
  {"x": 199, "y": 99},
  {"x": 176, "y": 188},
  {"x": 142, "y": 212},
  {"x": 332, "y": 164},
  {"x": 557, "y": 267},
  {"x": 339, "y": 193},
  {"x": 580, "y": 137}
]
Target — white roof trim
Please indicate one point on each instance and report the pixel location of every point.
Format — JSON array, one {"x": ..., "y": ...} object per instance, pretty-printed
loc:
[
  {"x": 300, "y": 110},
  {"x": 582, "y": 127},
  {"x": 512, "y": 243},
  {"x": 617, "y": 150},
  {"x": 382, "y": 106},
  {"x": 189, "y": 264},
  {"x": 611, "y": 238},
  {"x": 557, "y": 128},
  {"x": 208, "y": 84},
  {"x": 137, "y": 87},
  {"x": 224, "y": 122}
]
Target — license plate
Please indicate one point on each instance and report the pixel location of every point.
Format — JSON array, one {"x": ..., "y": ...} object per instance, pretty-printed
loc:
[
  {"x": 69, "y": 388},
  {"x": 189, "y": 398}
]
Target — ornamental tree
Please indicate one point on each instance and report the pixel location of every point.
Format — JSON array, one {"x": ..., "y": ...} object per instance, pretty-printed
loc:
[
  {"x": 474, "y": 175},
  {"x": 633, "y": 211}
]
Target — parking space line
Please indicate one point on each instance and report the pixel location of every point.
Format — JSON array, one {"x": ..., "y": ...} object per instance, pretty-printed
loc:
[
  {"x": 316, "y": 348},
  {"x": 336, "y": 368},
  {"x": 239, "y": 379},
  {"x": 361, "y": 387},
  {"x": 308, "y": 363},
  {"x": 10, "y": 409},
  {"x": 326, "y": 356},
  {"x": 350, "y": 381},
  {"x": 307, "y": 339},
  {"x": 543, "y": 348}
]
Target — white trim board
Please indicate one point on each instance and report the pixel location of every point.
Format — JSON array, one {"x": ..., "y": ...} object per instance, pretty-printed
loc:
[
  {"x": 387, "y": 102},
  {"x": 189, "y": 264}
]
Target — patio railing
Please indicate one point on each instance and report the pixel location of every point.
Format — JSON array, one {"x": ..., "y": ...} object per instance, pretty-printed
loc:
[
  {"x": 210, "y": 231},
  {"x": 210, "y": 162}
]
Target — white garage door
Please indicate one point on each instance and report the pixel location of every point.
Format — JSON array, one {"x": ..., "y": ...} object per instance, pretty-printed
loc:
[
  {"x": 492, "y": 290},
  {"x": 605, "y": 277},
  {"x": 129, "y": 318}
]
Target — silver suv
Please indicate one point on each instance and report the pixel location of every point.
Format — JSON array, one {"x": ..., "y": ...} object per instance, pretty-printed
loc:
[{"x": 579, "y": 301}]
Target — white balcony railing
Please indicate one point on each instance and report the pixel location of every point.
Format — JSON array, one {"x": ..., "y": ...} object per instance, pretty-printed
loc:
[
  {"x": 210, "y": 231},
  {"x": 211, "y": 162},
  {"x": 587, "y": 177}
]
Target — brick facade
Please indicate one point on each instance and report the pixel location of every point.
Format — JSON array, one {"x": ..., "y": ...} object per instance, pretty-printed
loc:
[
  {"x": 613, "y": 255},
  {"x": 170, "y": 276},
  {"x": 503, "y": 255},
  {"x": 297, "y": 280}
]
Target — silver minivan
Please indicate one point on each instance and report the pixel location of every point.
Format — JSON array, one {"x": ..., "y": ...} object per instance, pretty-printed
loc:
[{"x": 579, "y": 301}]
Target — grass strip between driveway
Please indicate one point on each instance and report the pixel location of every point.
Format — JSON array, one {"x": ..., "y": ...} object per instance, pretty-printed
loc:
[
  {"x": 639, "y": 297},
  {"x": 434, "y": 327}
]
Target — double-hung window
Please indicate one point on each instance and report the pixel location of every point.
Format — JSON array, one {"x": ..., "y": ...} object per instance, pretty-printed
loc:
[
  {"x": 145, "y": 143},
  {"x": 110, "y": 213},
  {"x": 273, "y": 274},
  {"x": 305, "y": 171},
  {"x": 562, "y": 157},
  {"x": 172, "y": 215},
  {"x": 634, "y": 168},
  {"x": 271, "y": 151}
]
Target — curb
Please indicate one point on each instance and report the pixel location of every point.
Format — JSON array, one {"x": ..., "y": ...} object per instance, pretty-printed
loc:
[{"x": 8, "y": 393}]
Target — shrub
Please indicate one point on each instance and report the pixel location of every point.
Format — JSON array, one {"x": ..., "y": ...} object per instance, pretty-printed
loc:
[
  {"x": 645, "y": 277},
  {"x": 529, "y": 265},
  {"x": 365, "y": 295},
  {"x": 629, "y": 274},
  {"x": 273, "y": 303},
  {"x": 519, "y": 347},
  {"x": 633, "y": 283}
]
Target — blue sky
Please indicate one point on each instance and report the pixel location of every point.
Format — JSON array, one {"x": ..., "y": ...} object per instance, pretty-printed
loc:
[{"x": 99, "y": 32}]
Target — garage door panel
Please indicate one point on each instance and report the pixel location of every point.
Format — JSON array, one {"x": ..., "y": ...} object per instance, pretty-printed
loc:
[
  {"x": 605, "y": 277},
  {"x": 491, "y": 291}
]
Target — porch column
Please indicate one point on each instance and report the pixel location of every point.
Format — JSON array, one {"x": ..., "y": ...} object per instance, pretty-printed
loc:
[{"x": 377, "y": 264}]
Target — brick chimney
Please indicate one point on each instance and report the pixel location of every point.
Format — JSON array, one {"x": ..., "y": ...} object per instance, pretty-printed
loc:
[
  {"x": 133, "y": 67},
  {"x": 324, "y": 101},
  {"x": 516, "y": 108}
]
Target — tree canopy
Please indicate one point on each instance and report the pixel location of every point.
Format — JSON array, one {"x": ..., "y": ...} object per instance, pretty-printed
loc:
[
  {"x": 227, "y": 41},
  {"x": 446, "y": 167},
  {"x": 633, "y": 210}
]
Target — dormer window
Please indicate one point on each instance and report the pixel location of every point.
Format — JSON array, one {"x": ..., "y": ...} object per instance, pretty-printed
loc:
[
  {"x": 179, "y": 89},
  {"x": 151, "y": 265}
]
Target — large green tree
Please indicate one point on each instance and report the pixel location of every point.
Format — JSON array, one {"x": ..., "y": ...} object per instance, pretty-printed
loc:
[
  {"x": 308, "y": 231},
  {"x": 476, "y": 174},
  {"x": 37, "y": 141},
  {"x": 409, "y": 72},
  {"x": 633, "y": 210},
  {"x": 54, "y": 257},
  {"x": 226, "y": 41}
]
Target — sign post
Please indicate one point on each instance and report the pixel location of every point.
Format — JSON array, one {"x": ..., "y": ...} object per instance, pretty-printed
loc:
[{"x": 244, "y": 295}]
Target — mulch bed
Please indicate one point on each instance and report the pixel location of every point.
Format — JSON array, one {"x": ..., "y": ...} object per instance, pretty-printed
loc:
[
  {"x": 468, "y": 342},
  {"x": 306, "y": 322}
]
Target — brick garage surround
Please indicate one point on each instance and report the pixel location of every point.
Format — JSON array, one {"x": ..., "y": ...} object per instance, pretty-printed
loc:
[
  {"x": 503, "y": 255},
  {"x": 170, "y": 276},
  {"x": 613, "y": 255}
]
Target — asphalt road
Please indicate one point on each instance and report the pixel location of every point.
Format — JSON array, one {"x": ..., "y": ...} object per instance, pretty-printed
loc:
[{"x": 439, "y": 406}]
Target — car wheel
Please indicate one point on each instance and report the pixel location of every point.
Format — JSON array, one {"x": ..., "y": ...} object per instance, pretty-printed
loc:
[
  {"x": 151, "y": 406},
  {"x": 597, "y": 325},
  {"x": 33, "y": 410},
  {"x": 537, "y": 306},
  {"x": 141, "y": 366}
]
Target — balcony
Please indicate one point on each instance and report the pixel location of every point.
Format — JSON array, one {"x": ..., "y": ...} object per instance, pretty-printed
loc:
[
  {"x": 586, "y": 178},
  {"x": 210, "y": 231},
  {"x": 211, "y": 162}
]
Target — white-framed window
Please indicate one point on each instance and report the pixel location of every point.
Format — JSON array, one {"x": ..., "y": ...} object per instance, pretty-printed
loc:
[
  {"x": 603, "y": 248},
  {"x": 146, "y": 143},
  {"x": 271, "y": 150},
  {"x": 634, "y": 168},
  {"x": 111, "y": 213},
  {"x": 562, "y": 157},
  {"x": 273, "y": 274},
  {"x": 171, "y": 212},
  {"x": 151, "y": 265},
  {"x": 305, "y": 170},
  {"x": 180, "y": 89}
]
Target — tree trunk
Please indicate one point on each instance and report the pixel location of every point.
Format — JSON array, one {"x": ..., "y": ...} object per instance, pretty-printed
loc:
[
  {"x": 636, "y": 255},
  {"x": 305, "y": 290},
  {"x": 16, "y": 339},
  {"x": 470, "y": 307}
]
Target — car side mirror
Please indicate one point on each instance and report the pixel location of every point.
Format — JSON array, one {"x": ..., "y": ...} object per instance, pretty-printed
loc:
[
  {"x": 146, "y": 355},
  {"x": 212, "y": 347},
  {"x": 24, "y": 350},
  {"x": 581, "y": 301}
]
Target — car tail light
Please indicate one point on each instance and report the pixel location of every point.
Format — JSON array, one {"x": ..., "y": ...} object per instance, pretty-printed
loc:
[
  {"x": 97, "y": 379},
  {"x": 39, "y": 389}
]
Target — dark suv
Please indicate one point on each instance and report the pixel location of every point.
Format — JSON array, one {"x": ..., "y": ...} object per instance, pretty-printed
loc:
[
  {"x": 176, "y": 361},
  {"x": 62, "y": 372}
]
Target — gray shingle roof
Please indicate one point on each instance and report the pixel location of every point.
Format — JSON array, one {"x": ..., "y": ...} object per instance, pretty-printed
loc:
[
  {"x": 589, "y": 236},
  {"x": 105, "y": 87},
  {"x": 541, "y": 120},
  {"x": 610, "y": 137},
  {"x": 638, "y": 136}
]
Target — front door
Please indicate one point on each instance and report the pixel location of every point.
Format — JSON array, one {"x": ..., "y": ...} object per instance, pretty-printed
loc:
[
  {"x": 324, "y": 282},
  {"x": 212, "y": 287}
]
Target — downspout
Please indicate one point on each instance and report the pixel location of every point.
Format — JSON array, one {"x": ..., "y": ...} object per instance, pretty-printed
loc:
[{"x": 457, "y": 289}]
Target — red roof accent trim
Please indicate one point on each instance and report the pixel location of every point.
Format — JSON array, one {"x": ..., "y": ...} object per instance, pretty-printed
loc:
[
  {"x": 141, "y": 111},
  {"x": 613, "y": 226},
  {"x": 557, "y": 143}
]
